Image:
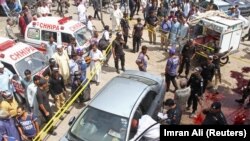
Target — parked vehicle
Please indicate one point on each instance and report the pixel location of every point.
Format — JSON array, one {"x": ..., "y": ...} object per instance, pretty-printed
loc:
[
  {"x": 109, "y": 115},
  {"x": 223, "y": 6}
]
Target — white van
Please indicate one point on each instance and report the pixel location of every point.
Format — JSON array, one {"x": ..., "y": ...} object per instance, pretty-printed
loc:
[{"x": 62, "y": 29}]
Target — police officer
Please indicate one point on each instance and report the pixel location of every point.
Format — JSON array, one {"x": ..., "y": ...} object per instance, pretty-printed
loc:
[
  {"x": 152, "y": 22},
  {"x": 48, "y": 72},
  {"x": 196, "y": 83},
  {"x": 137, "y": 34},
  {"x": 216, "y": 61},
  {"x": 246, "y": 93},
  {"x": 187, "y": 53},
  {"x": 214, "y": 115},
  {"x": 208, "y": 71},
  {"x": 125, "y": 28},
  {"x": 174, "y": 112},
  {"x": 118, "y": 53}
]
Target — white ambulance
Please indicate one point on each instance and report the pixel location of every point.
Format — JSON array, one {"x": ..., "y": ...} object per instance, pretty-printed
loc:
[
  {"x": 62, "y": 29},
  {"x": 17, "y": 57}
]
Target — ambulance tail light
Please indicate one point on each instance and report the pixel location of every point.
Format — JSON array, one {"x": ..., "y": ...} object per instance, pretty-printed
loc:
[
  {"x": 6, "y": 44},
  {"x": 64, "y": 20}
]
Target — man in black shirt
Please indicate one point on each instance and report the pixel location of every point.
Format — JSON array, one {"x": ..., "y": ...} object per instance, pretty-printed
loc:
[
  {"x": 57, "y": 88},
  {"x": 43, "y": 102},
  {"x": 196, "y": 84},
  {"x": 152, "y": 22},
  {"x": 118, "y": 53},
  {"x": 208, "y": 71},
  {"x": 137, "y": 34},
  {"x": 187, "y": 53},
  {"x": 174, "y": 112},
  {"x": 214, "y": 115},
  {"x": 125, "y": 28},
  {"x": 48, "y": 71}
]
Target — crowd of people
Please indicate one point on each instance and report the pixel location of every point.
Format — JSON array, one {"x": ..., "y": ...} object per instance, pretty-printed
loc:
[{"x": 67, "y": 66}]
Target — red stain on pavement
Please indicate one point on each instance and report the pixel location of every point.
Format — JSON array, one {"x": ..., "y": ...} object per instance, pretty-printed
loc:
[{"x": 241, "y": 82}]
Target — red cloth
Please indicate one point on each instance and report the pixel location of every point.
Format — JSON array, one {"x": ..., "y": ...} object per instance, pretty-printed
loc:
[{"x": 22, "y": 25}]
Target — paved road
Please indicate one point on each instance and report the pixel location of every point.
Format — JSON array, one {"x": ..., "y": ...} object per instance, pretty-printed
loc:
[{"x": 156, "y": 66}]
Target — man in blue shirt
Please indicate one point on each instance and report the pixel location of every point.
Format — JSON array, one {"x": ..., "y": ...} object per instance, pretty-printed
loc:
[{"x": 171, "y": 69}]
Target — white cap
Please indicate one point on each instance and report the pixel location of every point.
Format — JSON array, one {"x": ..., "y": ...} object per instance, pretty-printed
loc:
[
  {"x": 1, "y": 65},
  {"x": 59, "y": 46}
]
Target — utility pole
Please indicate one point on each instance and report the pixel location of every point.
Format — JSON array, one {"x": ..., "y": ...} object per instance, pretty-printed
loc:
[{"x": 103, "y": 24}]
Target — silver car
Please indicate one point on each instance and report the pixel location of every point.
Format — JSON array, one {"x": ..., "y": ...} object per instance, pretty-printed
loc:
[{"x": 108, "y": 117}]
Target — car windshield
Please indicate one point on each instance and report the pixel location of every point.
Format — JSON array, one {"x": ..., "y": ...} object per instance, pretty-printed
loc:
[
  {"x": 35, "y": 62},
  {"x": 82, "y": 36},
  {"x": 97, "y": 125}
]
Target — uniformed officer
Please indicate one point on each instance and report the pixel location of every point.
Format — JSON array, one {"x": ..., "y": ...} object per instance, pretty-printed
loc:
[
  {"x": 208, "y": 71},
  {"x": 137, "y": 34},
  {"x": 187, "y": 53},
  {"x": 125, "y": 28},
  {"x": 214, "y": 115},
  {"x": 196, "y": 83}
]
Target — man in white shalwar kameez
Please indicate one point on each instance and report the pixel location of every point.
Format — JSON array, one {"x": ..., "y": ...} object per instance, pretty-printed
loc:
[
  {"x": 96, "y": 58},
  {"x": 116, "y": 17},
  {"x": 62, "y": 59}
]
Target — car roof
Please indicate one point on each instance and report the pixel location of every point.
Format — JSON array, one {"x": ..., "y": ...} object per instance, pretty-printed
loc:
[
  {"x": 119, "y": 96},
  {"x": 67, "y": 25},
  {"x": 220, "y": 3},
  {"x": 14, "y": 52}
]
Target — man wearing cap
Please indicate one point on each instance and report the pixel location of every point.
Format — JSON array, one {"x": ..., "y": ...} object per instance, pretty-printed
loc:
[
  {"x": 57, "y": 88},
  {"x": 187, "y": 53},
  {"x": 5, "y": 77},
  {"x": 214, "y": 115},
  {"x": 118, "y": 53},
  {"x": 9, "y": 103},
  {"x": 115, "y": 16},
  {"x": 43, "y": 102},
  {"x": 208, "y": 71},
  {"x": 171, "y": 69},
  {"x": 50, "y": 47},
  {"x": 174, "y": 112},
  {"x": 62, "y": 59},
  {"x": 196, "y": 84},
  {"x": 8, "y": 128}
]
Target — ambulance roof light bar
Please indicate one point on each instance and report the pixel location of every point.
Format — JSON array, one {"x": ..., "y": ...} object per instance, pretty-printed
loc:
[
  {"x": 6, "y": 44},
  {"x": 64, "y": 20}
]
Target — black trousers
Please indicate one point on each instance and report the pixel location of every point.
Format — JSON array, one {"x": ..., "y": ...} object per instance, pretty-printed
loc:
[
  {"x": 47, "y": 119},
  {"x": 96, "y": 14},
  {"x": 172, "y": 79},
  {"x": 185, "y": 62},
  {"x": 136, "y": 43},
  {"x": 122, "y": 58},
  {"x": 132, "y": 11},
  {"x": 138, "y": 6},
  {"x": 193, "y": 100},
  {"x": 125, "y": 37}
]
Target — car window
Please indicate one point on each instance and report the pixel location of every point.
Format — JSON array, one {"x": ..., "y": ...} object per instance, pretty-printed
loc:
[
  {"x": 33, "y": 33},
  {"x": 97, "y": 125},
  {"x": 82, "y": 36},
  {"x": 66, "y": 37},
  {"x": 147, "y": 102},
  {"x": 35, "y": 62},
  {"x": 47, "y": 34},
  {"x": 144, "y": 80},
  {"x": 9, "y": 67}
]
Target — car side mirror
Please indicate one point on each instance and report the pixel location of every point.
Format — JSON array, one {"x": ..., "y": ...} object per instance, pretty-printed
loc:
[{"x": 71, "y": 121}]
